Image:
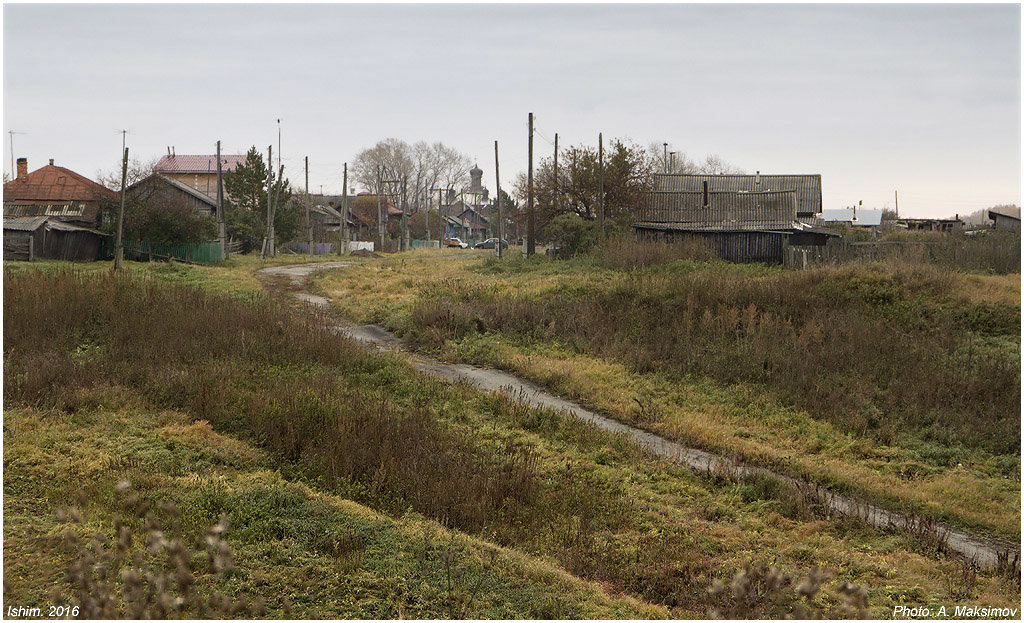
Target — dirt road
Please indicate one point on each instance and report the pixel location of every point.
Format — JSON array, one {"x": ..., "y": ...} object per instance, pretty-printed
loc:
[{"x": 982, "y": 551}]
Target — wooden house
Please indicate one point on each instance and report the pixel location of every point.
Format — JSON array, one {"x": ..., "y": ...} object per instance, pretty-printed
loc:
[
  {"x": 56, "y": 192},
  {"x": 744, "y": 218},
  {"x": 198, "y": 172},
  {"x": 163, "y": 189}
]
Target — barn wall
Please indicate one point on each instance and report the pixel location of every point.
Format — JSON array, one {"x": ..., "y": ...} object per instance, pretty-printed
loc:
[{"x": 747, "y": 246}]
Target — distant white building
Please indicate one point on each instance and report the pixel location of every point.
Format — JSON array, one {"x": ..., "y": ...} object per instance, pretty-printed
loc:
[{"x": 852, "y": 217}]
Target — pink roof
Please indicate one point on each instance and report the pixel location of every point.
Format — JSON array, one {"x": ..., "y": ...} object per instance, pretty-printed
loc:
[{"x": 197, "y": 164}]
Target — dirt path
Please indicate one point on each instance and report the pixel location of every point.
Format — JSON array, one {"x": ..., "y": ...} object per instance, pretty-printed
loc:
[{"x": 982, "y": 551}]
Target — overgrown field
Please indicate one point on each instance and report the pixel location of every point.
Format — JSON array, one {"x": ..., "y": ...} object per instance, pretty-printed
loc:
[
  {"x": 900, "y": 383},
  {"x": 110, "y": 378}
]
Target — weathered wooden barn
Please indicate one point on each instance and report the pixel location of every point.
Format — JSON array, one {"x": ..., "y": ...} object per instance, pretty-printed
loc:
[
  {"x": 167, "y": 190},
  {"x": 744, "y": 218},
  {"x": 1005, "y": 218},
  {"x": 32, "y": 237}
]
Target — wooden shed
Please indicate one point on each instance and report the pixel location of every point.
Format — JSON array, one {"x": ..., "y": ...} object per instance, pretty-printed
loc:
[{"x": 30, "y": 237}]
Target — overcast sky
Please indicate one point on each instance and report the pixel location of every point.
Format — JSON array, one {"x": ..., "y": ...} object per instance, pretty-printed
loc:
[{"x": 920, "y": 98}]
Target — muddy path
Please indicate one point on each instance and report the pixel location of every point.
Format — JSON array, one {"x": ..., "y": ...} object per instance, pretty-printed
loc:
[{"x": 983, "y": 551}]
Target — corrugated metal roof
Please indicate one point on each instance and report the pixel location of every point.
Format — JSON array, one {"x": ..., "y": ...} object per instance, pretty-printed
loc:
[
  {"x": 862, "y": 216},
  {"x": 1005, "y": 211},
  {"x": 61, "y": 226},
  {"x": 24, "y": 223},
  {"x": 55, "y": 184},
  {"x": 725, "y": 210},
  {"x": 197, "y": 163},
  {"x": 807, "y": 187}
]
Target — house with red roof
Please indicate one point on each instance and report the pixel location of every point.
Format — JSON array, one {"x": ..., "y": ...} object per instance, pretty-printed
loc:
[
  {"x": 196, "y": 171},
  {"x": 55, "y": 192}
]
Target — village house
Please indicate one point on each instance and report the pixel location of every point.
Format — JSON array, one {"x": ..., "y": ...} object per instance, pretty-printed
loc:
[
  {"x": 198, "y": 172},
  {"x": 161, "y": 188},
  {"x": 744, "y": 218},
  {"x": 53, "y": 213},
  {"x": 57, "y": 192}
]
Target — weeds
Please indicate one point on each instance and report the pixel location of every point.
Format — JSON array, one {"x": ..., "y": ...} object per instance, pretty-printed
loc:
[
  {"x": 114, "y": 578},
  {"x": 758, "y": 591}
]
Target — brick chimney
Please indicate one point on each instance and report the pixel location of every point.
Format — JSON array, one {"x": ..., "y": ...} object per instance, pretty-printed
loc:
[
  {"x": 22, "y": 167},
  {"x": 51, "y": 162}
]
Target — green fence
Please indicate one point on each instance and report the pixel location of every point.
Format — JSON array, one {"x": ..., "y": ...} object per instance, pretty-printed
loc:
[{"x": 204, "y": 253}]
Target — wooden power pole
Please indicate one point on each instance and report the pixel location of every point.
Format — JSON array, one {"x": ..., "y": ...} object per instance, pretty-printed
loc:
[
  {"x": 270, "y": 183},
  {"x": 343, "y": 211},
  {"x": 119, "y": 245},
  {"x": 222, "y": 228},
  {"x": 497, "y": 183},
  {"x": 530, "y": 242},
  {"x": 309, "y": 223},
  {"x": 600, "y": 160},
  {"x": 555, "y": 185}
]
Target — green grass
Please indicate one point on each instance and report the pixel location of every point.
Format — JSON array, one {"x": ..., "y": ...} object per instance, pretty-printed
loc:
[
  {"x": 301, "y": 552},
  {"x": 335, "y": 421},
  {"x": 857, "y": 377}
]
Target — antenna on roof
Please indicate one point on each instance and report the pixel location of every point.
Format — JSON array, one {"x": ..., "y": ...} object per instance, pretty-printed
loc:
[{"x": 12, "y": 133}]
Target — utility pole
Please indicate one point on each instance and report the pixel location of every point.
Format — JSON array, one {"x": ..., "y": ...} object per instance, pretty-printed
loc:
[
  {"x": 278, "y": 183},
  {"x": 497, "y": 183},
  {"x": 600, "y": 160},
  {"x": 405, "y": 217},
  {"x": 343, "y": 211},
  {"x": 309, "y": 223},
  {"x": 897, "y": 194},
  {"x": 555, "y": 186},
  {"x": 440, "y": 227},
  {"x": 531, "y": 247},
  {"x": 222, "y": 232},
  {"x": 380, "y": 218},
  {"x": 119, "y": 246},
  {"x": 270, "y": 185}
]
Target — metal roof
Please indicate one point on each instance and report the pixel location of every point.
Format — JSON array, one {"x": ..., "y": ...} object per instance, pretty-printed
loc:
[
  {"x": 32, "y": 223},
  {"x": 807, "y": 187},
  {"x": 55, "y": 184},
  {"x": 1008, "y": 212},
  {"x": 861, "y": 216},
  {"x": 24, "y": 223},
  {"x": 197, "y": 163}
]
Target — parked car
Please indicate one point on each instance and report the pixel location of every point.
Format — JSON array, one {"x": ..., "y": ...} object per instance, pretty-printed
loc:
[
  {"x": 489, "y": 244},
  {"x": 455, "y": 242}
]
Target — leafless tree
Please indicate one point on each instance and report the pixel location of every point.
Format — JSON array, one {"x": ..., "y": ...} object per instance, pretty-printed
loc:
[
  {"x": 425, "y": 165},
  {"x": 137, "y": 171},
  {"x": 679, "y": 162}
]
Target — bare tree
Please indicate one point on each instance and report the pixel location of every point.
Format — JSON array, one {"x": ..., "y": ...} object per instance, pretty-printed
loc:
[
  {"x": 137, "y": 171},
  {"x": 425, "y": 165},
  {"x": 679, "y": 162}
]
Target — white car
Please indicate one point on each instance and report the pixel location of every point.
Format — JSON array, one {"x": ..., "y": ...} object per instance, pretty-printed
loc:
[{"x": 455, "y": 242}]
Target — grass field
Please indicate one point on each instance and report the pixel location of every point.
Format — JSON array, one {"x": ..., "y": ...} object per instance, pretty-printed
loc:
[
  {"x": 898, "y": 384},
  {"x": 236, "y": 404}
]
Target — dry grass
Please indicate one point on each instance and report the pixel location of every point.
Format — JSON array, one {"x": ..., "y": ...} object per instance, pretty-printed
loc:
[
  {"x": 582, "y": 331},
  {"x": 371, "y": 429}
]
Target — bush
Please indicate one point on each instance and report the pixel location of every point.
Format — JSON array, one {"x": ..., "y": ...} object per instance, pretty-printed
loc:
[{"x": 572, "y": 234}]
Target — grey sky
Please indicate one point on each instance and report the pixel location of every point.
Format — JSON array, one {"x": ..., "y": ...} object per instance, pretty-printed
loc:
[{"x": 920, "y": 98}]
